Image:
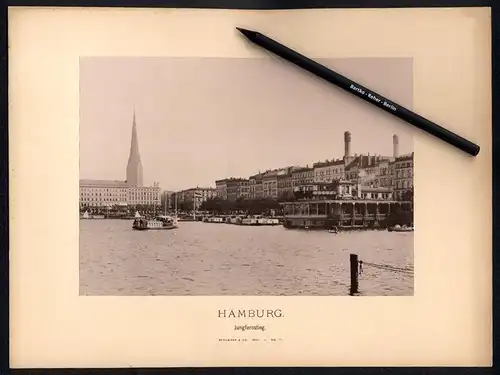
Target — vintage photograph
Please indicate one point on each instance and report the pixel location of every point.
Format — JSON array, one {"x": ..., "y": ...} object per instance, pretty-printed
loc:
[{"x": 243, "y": 177}]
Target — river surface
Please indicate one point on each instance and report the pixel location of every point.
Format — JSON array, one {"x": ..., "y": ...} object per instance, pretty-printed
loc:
[{"x": 222, "y": 259}]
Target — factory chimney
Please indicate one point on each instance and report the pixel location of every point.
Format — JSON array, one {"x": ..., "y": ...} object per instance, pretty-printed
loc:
[
  {"x": 395, "y": 146},
  {"x": 347, "y": 144}
]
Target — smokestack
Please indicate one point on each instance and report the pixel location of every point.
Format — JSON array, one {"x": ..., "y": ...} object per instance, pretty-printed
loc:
[
  {"x": 395, "y": 146},
  {"x": 347, "y": 144}
]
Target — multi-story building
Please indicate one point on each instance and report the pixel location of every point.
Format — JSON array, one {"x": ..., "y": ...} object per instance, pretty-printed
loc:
[
  {"x": 270, "y": 184},
  {"x": 237, "y": 188},
  {"x": 329, "y": 170},
  {"x": 144, "y": 195},
  {"x": 403, "y": 174},
  {"x": 372, "y": 170},
  {"x": 194, "y": 197},
  {"x": 101, "y": 193},
  {"x": 392, "y": 174},
  {"x": 285, "y": 182},
  {"x": 255, "y": 188},
  {"x": 221, "y": 189},
  {"x": 382, "y": 176},
  {"x": 303, "y": 179},
  {"x": 132, "y": 192}
]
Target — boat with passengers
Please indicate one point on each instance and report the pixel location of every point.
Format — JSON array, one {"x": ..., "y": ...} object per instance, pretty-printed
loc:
[{"x": 161, "y": 222}]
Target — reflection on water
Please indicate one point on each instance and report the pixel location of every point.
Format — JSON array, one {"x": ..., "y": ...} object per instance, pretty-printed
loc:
[{"x": 222, "y": 259}]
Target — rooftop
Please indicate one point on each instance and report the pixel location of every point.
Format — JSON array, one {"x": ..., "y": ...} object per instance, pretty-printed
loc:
[
  {"x": 198, "y": 188},
  {"x": 303, "y": 169},
  {"x": 327, "y": 163},
  {"x": 378, "y": 189},
  {"x": 367, "y": 161},
  {"x": 405, "y": 157},
  {"x": 103, "y": 183}
]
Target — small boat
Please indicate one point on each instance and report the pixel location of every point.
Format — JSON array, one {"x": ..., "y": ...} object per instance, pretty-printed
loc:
[
  {"x": 86, "y": 215},
  {"x": 398, "y": 228},
  {"x": 213, "y": 219},
  {"x": 250, "y": 221},
  {"x": 234, "y": 220},
  {"x": 333, "y": 230},
  {"x": 161, "y": 222},
  {"x": 259, "y": 220},
  {"x": 267, "y": 221}
]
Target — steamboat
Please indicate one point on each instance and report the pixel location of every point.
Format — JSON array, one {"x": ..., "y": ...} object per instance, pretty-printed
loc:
[{"x": 161, "y": 222}]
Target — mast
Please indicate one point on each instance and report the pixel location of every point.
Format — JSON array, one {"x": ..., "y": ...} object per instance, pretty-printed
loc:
[{"x": 194, "y": 208}]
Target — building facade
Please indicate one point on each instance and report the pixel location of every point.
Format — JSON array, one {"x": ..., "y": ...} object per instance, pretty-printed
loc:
[
  {"x": 237, "y": 188},
  {"x": 103, "y": 193},
  {"x": 221, "y": 189},
  {"x": 270, "y": 184},
  {"x": 285, "y": 185},
  {"x": 194, "y": 197},
  {"x": 329, "y": 171},
  {"x": 403, "y": 175},
  {"x": 255, "y": 187},
  {"x": 303, "y": 179},
  {"x": 144, "y": 195}
]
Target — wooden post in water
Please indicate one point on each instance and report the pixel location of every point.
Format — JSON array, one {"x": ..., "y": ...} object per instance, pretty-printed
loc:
[{"x": 354, "y": 274}]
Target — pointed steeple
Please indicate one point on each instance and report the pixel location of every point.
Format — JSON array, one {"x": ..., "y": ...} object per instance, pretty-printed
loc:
[{"x": 134, "y": 166}]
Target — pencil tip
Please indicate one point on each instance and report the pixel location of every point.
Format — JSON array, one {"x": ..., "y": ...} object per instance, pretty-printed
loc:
[{"x": 248, "y": 33}]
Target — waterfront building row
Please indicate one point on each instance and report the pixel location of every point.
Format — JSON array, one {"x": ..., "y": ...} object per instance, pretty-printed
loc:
[{"x": 391, "y": 172}]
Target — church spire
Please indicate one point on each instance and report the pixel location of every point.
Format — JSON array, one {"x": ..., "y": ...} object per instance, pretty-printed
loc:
[{"x": 134, "y": 166}]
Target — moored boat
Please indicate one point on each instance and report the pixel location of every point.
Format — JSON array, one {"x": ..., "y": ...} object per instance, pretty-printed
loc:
[
  {"x": 268, "y": 221},
  {"x": 250, "y": 221},
  {"x": 213, "y": 219},
  {"x": 259, "y": 220},
  {"x": 234, "y": 220},
  {"x": 398, "y": 228}
]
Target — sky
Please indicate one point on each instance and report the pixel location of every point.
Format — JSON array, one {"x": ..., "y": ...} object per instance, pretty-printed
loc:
[{"x": 204, "y": 119}]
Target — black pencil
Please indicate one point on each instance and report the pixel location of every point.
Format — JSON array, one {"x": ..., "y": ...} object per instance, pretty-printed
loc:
[{"x": 360, "y": 91}]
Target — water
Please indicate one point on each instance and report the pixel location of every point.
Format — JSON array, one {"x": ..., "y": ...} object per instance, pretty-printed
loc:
[{"x": 222, "y": 259}]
